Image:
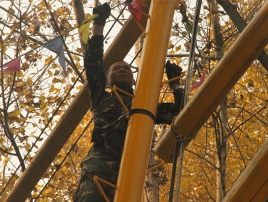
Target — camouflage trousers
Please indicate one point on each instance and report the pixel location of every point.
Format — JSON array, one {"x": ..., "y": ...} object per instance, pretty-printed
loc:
[{"x": 102, "y": 163}]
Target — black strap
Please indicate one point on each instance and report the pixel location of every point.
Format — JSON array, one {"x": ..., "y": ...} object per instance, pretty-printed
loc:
[{"x": 143, "y": 111}]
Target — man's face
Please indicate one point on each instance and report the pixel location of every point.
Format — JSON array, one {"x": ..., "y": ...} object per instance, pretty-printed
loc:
[{"x": 120, "y": 74}]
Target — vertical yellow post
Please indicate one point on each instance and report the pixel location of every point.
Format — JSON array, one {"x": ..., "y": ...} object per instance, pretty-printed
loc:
[{"x": 139, "y": 134}]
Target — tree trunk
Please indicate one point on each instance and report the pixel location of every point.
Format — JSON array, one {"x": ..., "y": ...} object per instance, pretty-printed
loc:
[
  {"x": 155, "y": 177},
  {"x": 221, "y": 133},
  {"x": 223, "y": 151},
  {"x": 80, "y": 17},
  {"x": 151, "y": 189}
]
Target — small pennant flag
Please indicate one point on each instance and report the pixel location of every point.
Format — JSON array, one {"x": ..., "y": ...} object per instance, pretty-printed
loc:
[
  {"x": 56, "y": 45},
  {"x": 197, "y": 84},
  {"x": 84, "y": 28},
  {"x": 134, "y": 7},
  {"x": 12, "y": 66}
]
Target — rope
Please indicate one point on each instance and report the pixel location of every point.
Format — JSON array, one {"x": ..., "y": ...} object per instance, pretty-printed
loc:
[
  {"x": 180, "y": 139},
  {"x": 49, "y": 121},
  {"x": 68, "y": 153}
]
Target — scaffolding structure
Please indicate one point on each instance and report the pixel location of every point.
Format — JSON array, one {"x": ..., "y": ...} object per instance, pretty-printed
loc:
[{"x": 187, "y": 123}]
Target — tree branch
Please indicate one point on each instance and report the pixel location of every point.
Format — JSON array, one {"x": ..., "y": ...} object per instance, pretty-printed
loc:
[{"x": 240, "y": 23}]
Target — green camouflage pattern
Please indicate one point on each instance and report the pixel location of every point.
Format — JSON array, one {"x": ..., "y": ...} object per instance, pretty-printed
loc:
[{"x": 110, "y": 125}]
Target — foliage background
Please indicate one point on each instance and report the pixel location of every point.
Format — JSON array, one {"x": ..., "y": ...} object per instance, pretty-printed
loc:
[{"x": 35, "y": 98}]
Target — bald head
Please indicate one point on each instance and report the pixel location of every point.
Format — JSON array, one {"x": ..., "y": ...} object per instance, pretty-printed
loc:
[{"x": 120, "y": 74}]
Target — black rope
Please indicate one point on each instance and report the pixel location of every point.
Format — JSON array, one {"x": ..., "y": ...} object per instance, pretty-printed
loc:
[
  {"x": 67, "y": 154},
  {"x": 173, "y": 174},
  {"x": 37, "y": 139},
  {"x": 179, "y": 138},
  {"x": 115, "y": 21},
  {"x": 143, "y": 111}
]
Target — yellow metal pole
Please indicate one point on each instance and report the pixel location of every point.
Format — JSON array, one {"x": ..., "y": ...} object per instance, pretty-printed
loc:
[
  {"x": 231, "y": 67},
  {"x": 139, "y": 134}
]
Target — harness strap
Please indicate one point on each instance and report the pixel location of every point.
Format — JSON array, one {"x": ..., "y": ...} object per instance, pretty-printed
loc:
[{"x": 143, "y": 111}]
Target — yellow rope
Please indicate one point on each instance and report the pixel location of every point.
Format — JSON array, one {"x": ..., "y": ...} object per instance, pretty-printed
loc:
[
  {"x": 139, "y": 24},
  {"x": 173, "y": 79},
  {"x": 96, "y": 179},
  {"x": 156, "y": 166},
  {"x": 115, "y": 89}
]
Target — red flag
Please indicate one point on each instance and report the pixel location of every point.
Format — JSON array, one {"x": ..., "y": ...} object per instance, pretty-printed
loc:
[
  {"x": 197, "y": 84},
  {"x": 134, "y": 6},
  {"x": 12, "y": 66}
]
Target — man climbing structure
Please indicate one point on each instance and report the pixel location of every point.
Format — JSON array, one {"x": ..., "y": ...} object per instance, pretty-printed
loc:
[{"x": 110, "y": 118}]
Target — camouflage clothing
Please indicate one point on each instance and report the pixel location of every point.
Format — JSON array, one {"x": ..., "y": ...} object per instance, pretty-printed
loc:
[{"x": 109, "y": 131}]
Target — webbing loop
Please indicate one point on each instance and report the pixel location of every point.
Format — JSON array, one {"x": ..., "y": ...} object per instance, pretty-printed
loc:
[{"x": 143, "y": 111}]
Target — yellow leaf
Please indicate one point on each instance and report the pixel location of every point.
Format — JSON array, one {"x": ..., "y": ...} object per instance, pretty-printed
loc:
[
  {"x": 29, "y": 81},
  {"x": 178, "y": 48},
  {"x": 5, "y": 161},
  {"x": 20, "y": 84},
  {"x": 23, "y": 105},
  {"x": 11, "y": 10},
  {"x": 14, "y": 113},
  {"x": 84, "y": 28},
  {"x": 178, "y": 60},
  {"x": 76, "y": 58},
  {"x": 2, "y": 140},
  {"x": 48, "y": 60},
  {"x": 52, "y": 89},
  {"x": 20, "y": 73},
  {"x": 43, "y": 15},
  {"x": 27, "y": 146},
  {"x": 42, "y": 97},
  {"x": 30, "y": 108},
  {"x": 73, "y": 79},
  {"x": 49, "y": 191},
  {"x": 79, "y": 87},
  {"x": 170, "y": 45},
  {"x": 55, "y": 80}
]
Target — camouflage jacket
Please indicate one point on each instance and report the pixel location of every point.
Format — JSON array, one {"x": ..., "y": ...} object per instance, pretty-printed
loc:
[{"x": 108, "y": 127}]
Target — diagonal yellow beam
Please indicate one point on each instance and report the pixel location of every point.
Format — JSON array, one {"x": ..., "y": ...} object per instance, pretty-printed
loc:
[
  {"x": 252, "y": 184},
  {"x": 117, "y": 51},
  {"x": 140, "y": 129}
]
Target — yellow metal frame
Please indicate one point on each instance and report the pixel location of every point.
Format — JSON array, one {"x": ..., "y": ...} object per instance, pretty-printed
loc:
[
  {"x": 135, "y": 157},
  {"x": 140, "y": 129}
]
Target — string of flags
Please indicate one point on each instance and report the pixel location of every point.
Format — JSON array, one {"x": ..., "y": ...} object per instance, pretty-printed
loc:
[
  {"x": 84, "y": 28},
  {"x": 197, "y": 84},
  {"x": 12, "y": 66},
  {"x": 55, "y": 45},
  {"x": 134, "y": 7}
]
